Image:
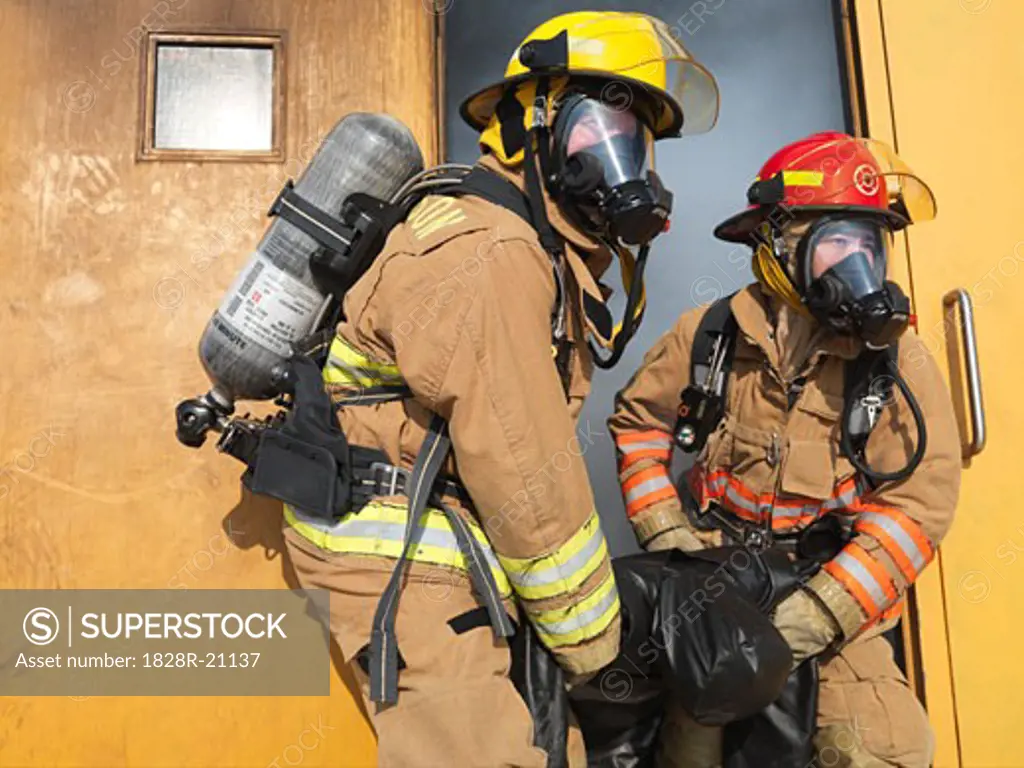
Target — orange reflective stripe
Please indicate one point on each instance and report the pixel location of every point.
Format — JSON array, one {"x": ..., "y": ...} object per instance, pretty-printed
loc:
[
  {"x": 785, "y": 523},
  {"x": 629, "y": 459},
  {"x": 900, "y": 537},
  {"x": 649, "y": 444},
  {"x": 647, "y": 487},
  {"x": 863, "y": 577},
  {"x": 627, "y": 438},
  {"x": 893, "y": 611},
  {"x": 786, "y": 513}
]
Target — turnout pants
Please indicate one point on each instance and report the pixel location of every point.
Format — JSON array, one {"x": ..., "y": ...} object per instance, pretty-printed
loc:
[
  {"x": 867, "y": 718},
  {"x": 456, "y": 704}
]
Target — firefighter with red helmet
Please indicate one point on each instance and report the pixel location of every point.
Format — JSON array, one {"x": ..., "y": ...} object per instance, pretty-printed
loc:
[{"x": 819, "y": 426}]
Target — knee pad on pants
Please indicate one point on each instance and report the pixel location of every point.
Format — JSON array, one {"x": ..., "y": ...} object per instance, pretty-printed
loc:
[{"x": 868, "y": 717}]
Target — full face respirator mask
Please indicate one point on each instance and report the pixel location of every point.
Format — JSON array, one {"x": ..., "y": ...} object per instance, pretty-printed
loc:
[
  {"x": 842, "y": 268},
  {"x": 602, "y": 172}
]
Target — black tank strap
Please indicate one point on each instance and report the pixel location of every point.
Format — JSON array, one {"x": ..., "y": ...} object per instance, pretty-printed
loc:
[
  {"x": 488, "y": 185},
  {"x": 318, "y": 224},
  {"x": 717, "y": 322}
]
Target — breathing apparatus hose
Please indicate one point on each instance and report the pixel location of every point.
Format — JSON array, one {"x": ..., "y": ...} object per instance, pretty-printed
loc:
[
  {"x": 857, "y": 457},
  {"x": 629, "y": 323}
]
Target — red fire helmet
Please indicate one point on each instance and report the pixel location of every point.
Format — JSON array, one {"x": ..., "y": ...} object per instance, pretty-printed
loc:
[{"x": 832, "y": 171}]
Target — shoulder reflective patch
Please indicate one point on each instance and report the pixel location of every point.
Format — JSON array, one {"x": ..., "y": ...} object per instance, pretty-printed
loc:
[{"x": 433, "y": 214}]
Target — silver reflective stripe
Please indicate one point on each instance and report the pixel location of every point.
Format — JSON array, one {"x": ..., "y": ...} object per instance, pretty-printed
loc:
[
  {"x": 648, "y": 486},
  {"x": 797, "y": 512},
  {"x": 645, "y": 446},
  {"x": 852, "y": 566},
  {"x": 901, "y": 537},
  {"x": 733, "y": 496},
  {"x": 578, "y": 620},
  {"x": 562, "y": 571},
  {"x": 386, "y": 531},
  {"x": 717, "y": 484},
  {"x": 845, "y": 499}
]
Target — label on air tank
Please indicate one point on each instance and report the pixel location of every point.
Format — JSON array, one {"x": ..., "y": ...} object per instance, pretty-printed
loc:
[{"x": 270, "y": 307}]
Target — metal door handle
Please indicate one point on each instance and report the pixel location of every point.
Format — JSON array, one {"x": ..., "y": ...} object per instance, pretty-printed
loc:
[{"x": 970, "y": 341}]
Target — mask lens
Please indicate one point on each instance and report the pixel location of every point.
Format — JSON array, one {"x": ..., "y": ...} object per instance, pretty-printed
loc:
[
  {"x": 616, "y": 138},
  {"x": 856, "y": 250}
]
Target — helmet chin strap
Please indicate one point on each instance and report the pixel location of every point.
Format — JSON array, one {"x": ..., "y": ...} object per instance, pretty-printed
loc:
[{"x": 549, "y": 240}]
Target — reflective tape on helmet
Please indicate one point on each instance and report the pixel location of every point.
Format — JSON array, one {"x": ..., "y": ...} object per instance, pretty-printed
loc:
[
  {"x": 379, "y": 529},
  {"x": 864, "y": 578},
  {"x": 649, "y": 444},
  {"x": 900, "y": 537},
  {"x": 562, "y": 572},
  {"x": 803, "y": 178}
]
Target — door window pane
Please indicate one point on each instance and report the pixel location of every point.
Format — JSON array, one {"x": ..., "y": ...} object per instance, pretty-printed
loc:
[{"x": 214, "y": 98}]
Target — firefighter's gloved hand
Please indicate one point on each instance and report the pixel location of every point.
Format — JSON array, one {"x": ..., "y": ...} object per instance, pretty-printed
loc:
[
  {"x": 676, "y": 538},
  {"x": 667, "y": 526},
  {"x": 807, "y": 626}
]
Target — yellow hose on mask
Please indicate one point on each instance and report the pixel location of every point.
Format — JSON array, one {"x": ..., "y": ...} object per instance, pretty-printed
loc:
[{"x": 773, "y": 277}]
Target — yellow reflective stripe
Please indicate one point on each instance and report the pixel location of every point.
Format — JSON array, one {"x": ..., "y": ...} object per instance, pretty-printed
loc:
[
  {"x": 340, "y": 377},
  {"x": 562, "y": 571},
  {"x": 347, "y": 365},
  {"x": 432, "y": 214},
  {"x": 803, "y": 178},
  {"x": 379, "y": 529},
  {"x": 581, "y": 621}
]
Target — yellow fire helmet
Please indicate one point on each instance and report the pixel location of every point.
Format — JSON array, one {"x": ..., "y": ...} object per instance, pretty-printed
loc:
[{"x": 632, "y": 57}]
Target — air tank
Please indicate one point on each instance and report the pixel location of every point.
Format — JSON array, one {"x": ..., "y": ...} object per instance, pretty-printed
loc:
[{"x": 274, "y": 300}]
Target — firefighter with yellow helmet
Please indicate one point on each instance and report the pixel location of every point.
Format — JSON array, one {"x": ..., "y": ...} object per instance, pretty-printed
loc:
[
  {"x": 463, "y": 360},
  {"x": 821, "y": 428}
]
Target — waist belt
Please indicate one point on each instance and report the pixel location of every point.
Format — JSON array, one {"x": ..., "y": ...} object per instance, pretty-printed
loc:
[{"x": 373, "y": 476}]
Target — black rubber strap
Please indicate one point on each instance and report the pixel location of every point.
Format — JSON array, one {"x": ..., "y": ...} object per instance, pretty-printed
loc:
[
  {"x": 303, "y": 215},
  {"x": 471, "y": 619}
]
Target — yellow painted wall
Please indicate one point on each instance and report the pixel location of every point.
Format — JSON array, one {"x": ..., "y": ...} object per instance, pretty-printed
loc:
[{"x": 944, "y": 79}]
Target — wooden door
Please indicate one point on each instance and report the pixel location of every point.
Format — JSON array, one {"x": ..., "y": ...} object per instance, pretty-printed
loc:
[
  {"x": 943, "y": 80},
  {"x": 102, "y": 302}
]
